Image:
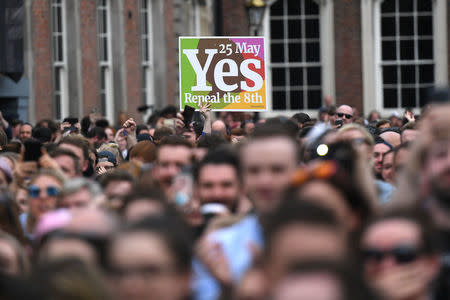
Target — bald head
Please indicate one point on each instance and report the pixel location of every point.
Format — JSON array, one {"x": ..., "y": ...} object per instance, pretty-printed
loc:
[
  {"x": 391, "y": 137},
  {"x": 345, "y": 113},
  {"x": 219, "y": 127}
]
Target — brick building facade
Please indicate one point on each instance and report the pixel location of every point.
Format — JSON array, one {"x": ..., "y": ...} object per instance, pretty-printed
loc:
[
  {"x": 116, "y": 55},
  {"x": 351, "y": 50},
  {"x": 106, "y": 56},
  {"x": 348, "y": 47}
]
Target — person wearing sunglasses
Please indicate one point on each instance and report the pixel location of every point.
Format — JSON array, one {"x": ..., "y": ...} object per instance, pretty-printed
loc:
[
  {"x": 43, "y": 191},
  {"x": 345, "y": 113},
  {"x": 399, "y": 254}
]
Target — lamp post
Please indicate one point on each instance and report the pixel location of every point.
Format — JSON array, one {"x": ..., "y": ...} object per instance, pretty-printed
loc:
[{"x": 255, "y": 12}]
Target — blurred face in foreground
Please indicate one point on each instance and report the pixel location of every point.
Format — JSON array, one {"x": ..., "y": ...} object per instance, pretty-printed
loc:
[
  {"x": 141, "y": 208},
  {"x": 59, "y": 248},
  {"x": 395, "y": 262},
  {"x": 437, "y": 170},
  {"x": 302, "y": 242},
  {"x": 317, "y": 286},
  {"x": 268, "y": 165},
  {"x": 143, "y": 267}
]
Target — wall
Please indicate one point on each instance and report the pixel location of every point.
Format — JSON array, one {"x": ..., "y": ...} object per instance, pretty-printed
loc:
[
  {"x": 132, "y": 57},
  {"x": 235, "y": 18},
  {"x": 42, "y": 75},
  {"x": 89, "y": 62},
  {"x": 347, "y": 24}
]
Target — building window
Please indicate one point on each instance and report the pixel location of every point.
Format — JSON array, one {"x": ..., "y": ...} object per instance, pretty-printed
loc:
[
  {"x": 105, "y": 60},
  {"x": 193, "y": 15},
  {"x": 147, "y": 53},
  {"x": 406, "y": 52},
  {"x": 296, "y": 68},
  {"x": 60, "y": 98}
]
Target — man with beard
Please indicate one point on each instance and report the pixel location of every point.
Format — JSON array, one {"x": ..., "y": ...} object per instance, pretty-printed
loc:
[
  {"x": 172, "y": 154},
  {"x": 380, "y": 148},
  {"x": 217, "y": 179}
]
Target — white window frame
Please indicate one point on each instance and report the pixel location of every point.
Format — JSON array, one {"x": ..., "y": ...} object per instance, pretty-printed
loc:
[
  {"x": 105, "y": 65},
  {"x": 147, "y": 60},
  {"x": 371, "y": 58},
  {"x": 204, "y": 18},
  {"x": 195, "y": 18},
  {"x": 326, "y": 24},
  {"x": 59, "y": 60}
]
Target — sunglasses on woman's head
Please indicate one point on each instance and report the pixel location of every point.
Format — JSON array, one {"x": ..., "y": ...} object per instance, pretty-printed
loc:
[{"x": 34, "y": 191}]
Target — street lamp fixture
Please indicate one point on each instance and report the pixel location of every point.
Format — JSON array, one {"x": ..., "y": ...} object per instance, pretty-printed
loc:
[{"x": 255, "y": 12}]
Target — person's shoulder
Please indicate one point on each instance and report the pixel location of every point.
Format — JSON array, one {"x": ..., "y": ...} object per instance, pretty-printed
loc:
[
  {"x": 385, "y": 190},
  {"x": 250, "y": 220},
  {"x": 384, "y": 186},
  {"x": 249, "y": 225}
]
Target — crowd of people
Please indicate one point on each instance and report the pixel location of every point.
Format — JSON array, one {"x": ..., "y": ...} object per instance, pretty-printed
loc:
[{"x": 227, "y": 206}]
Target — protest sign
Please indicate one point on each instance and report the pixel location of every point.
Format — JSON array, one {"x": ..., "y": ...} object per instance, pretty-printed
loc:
[{"x": 228, "y": 72}]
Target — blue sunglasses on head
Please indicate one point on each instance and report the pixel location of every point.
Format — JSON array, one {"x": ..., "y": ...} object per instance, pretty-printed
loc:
[{"x": 34, "y": 191}]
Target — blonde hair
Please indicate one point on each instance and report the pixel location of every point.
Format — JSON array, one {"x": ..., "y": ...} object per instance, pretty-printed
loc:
[
  {"x": 58, "y": 176},
  {"x": 113, "y": 148},
  {"x": 353, "y": 126}
]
